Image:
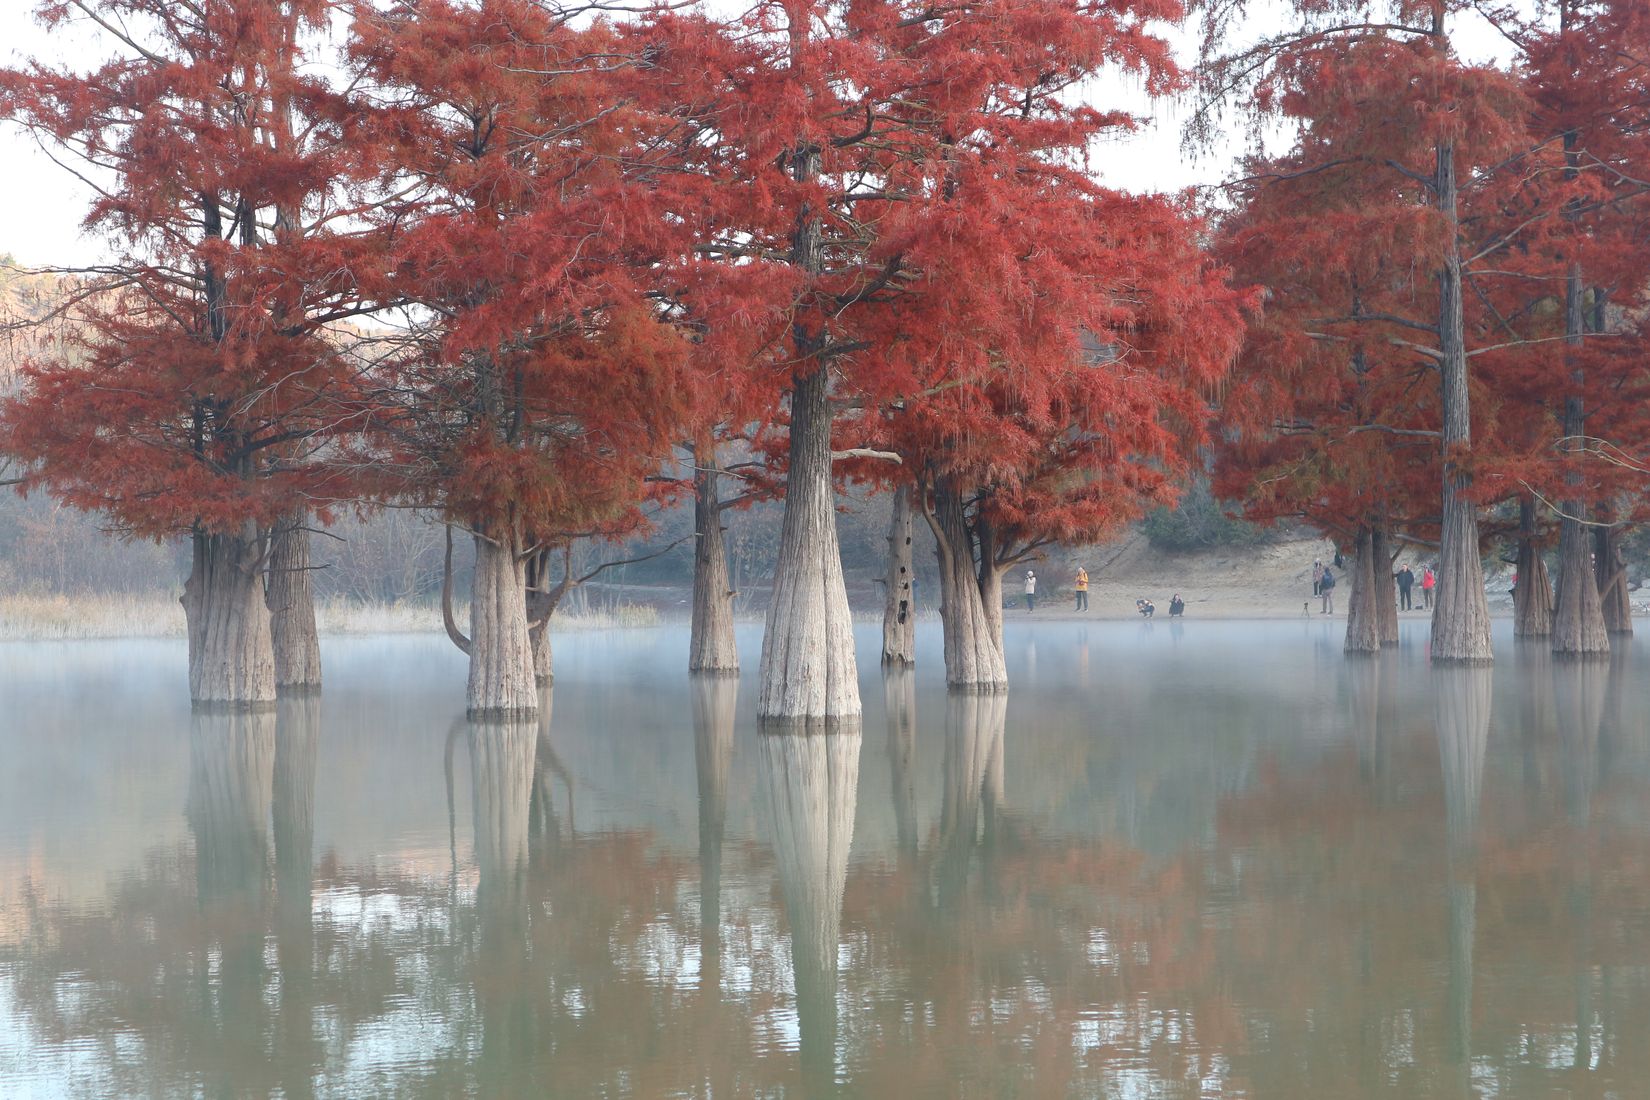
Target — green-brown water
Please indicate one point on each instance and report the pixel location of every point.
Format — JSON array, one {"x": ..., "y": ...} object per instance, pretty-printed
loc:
[{"x": 1199, "y": 860}]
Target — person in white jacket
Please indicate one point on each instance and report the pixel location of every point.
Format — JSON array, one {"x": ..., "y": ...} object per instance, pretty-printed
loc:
[{"x": 1031, "y": 591}]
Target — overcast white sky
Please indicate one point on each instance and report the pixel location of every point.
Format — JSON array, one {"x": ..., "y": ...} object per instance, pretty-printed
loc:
[{"x": 41, "y": 206}]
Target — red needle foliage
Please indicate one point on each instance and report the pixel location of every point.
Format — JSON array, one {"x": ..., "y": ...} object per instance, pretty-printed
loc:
[{"x": 202, "y": 381}]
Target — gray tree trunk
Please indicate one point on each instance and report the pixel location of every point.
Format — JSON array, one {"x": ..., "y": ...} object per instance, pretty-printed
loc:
[
  {"x": 502, "y": 679},
  {"x": 973, "y": 648},
  {"x": 808, "y": 664},
  {"x": 1363, "y": 620},
  {"x": 1386, "y": 587},
  {"x": 290, "y": 594},
  {"x": 1533, "y": 598},
  {"x": 1614, "y": 600},
  {"x": 711, "y": 646},
  {"x": 541, "y": 605},
  {"x": 1578, "y": 617},
  {"x": 231, "y": 653},
  {"x": 899, "y": 612},
  {"x": 1461, "y": 614}
]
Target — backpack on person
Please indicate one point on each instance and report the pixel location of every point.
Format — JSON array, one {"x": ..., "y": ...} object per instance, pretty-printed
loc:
[{"x": 1328, "y": 580}]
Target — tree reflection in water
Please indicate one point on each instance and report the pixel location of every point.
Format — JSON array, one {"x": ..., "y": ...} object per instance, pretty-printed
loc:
[
  {"x": 1444, "y": 892},
  {"x": 811, "y": 779}
]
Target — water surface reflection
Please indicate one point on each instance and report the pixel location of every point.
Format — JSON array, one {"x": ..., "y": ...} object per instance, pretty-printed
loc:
[{"x": 1221, "y": 861}]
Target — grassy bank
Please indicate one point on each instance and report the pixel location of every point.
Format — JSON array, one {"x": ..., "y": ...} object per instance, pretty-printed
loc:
[{"x": 58, "y": 618}]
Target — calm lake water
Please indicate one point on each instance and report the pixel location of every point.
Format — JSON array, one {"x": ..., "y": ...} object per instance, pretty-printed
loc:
[{"x": 1199, "y": 860}]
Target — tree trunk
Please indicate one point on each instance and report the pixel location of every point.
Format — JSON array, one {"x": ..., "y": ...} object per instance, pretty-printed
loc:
[
  {"x": 231, "y": 653},
  {"x": 542, "y": 601},
  {"x": 1578, "y": 617},
  {"x": 711, "y": 647},
  {"x": 973, "y": 649},
  {"x": 1532, "y": 598},
  {"x": 502, "y": 678},
  {"x": 808, "y": 664},
  {"x": 290, "y": 594},
  {"x": 1363, "y": 617},
  {"x": 538, "y": 639},
  {"x": 1461, "y": 615},
  {"x": 899, "y": 613},
  {"x": 1614, "y": 600},
  {"x": 1386, "y": 586}
]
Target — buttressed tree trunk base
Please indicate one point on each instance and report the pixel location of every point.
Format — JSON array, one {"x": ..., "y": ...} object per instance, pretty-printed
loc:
[
  {"x": 1532, "y": 600},
  {"x": 1386, "y": 585},
  {"x": 809, "y": 668},
  {"x": 1578, "y": 619},
  {"x": 899, "y": 613},
  {"x": 290, "y": 594},
  {"x": 973, "y": 646},
  {"x": 711, "y": 646},
  {"x": 1363, "y": 620},
  {"x": 502, "y": 680},
  {"x": 1615, "y": 602},
  {"x": 231, "y": 653}
]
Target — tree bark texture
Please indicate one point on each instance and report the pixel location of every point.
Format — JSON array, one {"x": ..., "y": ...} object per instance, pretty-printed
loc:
[
  {"x": 812, "y": 778},
  {"x": 290, "y": 594},
  {"x": 808, "y": 665},
  {"x": 231, "y": 653},
  {"x": 1578, "y": 615},
  {"x": 1533, "y": 597},
  {"x": 1386, "y": 586},
  {"x": 973, "y": 637},
  {"x": 1615, "y": 602},
  {"x": 541, "y": 605},
  {"x": 502, "y": 679},
  {"x": 899, "y": 612},
  {"x": 714, "y": 705},
  {"x": 1461, "y": 613},
  {"x": 711, "y": 646},
  {"x": 1363, "y": 620}
]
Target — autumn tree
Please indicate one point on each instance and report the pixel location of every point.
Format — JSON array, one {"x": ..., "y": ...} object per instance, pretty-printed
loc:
[
  {"x": 1456, "y": 118},
  {"x": 897, "y": 166},
  {"x": 1329, "y": 418},
  {"x": 1583, "y": 67},
  {"x": 203, "y": 382},
  {"x": 537, "y": 387}
]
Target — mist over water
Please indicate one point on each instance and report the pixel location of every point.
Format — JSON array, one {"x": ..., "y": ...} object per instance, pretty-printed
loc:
[{"x": 1179, "y": 859}]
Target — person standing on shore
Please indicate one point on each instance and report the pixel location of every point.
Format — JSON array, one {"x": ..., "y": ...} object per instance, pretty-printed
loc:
[
  {"x": 1082, "y": 589},
  {"x": 1429, "y": 581},
  {"x": 1317, "y": 578},
  {"x": 1326, "y": 588},
  {"x": 1031, "y": 591},
  {"x": 1406, "y": 581}
]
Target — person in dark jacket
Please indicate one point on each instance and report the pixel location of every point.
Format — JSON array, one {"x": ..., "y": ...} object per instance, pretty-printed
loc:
[
  {"x": 1406, "y": 581},
  {"x": 1177, "y": 606},
  {"x": 1327, "y": 590}
]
